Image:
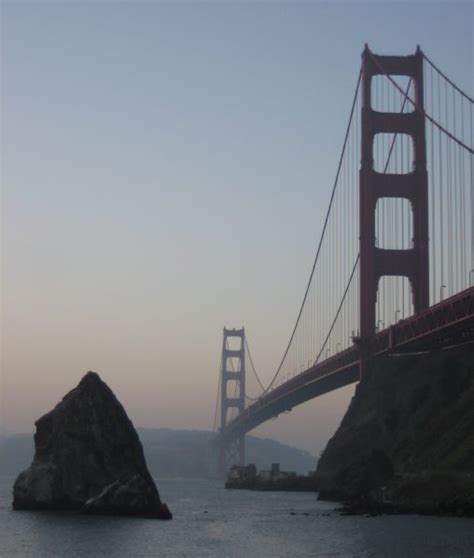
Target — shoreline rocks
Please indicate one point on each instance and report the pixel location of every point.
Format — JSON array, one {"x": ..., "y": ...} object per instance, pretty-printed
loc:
[{"x": 88, "y": 458}]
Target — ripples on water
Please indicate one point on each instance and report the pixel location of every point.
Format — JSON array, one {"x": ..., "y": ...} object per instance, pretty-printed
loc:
[{"x": 210, "y": 521}]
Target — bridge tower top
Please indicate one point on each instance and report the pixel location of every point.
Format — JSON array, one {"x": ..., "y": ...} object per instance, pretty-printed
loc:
[{"x": 234, "y": 332}]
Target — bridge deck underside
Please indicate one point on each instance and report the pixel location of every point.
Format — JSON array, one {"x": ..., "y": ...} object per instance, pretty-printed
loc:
[{"x": 294, "y": 397}]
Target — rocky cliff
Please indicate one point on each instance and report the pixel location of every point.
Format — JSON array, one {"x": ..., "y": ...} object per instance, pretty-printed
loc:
[
  {"x": 406, "y": 443},
  {"x": 88, "y": 458}
]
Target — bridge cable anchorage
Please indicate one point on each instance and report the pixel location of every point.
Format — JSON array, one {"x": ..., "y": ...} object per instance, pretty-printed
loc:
[
  {"x": 422, "y": 110},
  {"x": 443, "y": 75},
  {"x": 322, "y": 235}
]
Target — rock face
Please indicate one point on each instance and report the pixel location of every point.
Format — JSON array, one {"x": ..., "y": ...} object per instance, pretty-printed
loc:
[
  {"x": 88, "y": 458},
  {"x": 406, "y": 443}
]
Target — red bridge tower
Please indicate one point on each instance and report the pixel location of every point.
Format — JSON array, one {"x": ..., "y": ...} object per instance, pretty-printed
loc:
[
  {"x": 232, "y": 370},
  {"x": 413, "y": 186}
]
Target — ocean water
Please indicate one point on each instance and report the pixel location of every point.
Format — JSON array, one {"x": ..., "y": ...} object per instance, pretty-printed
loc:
[{"x": 210, "y": 521}]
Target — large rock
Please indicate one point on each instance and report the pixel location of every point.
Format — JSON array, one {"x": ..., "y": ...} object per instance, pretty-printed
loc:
[
  {"x": 406, "y": 443},
  {"x": 88, "y": 458}
]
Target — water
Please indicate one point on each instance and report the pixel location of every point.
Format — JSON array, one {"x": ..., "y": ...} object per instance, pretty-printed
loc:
[{"x": 210, "y": 521}]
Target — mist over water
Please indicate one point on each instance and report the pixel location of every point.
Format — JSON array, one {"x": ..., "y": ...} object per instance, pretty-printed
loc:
[{"x": 210, "y": 521}]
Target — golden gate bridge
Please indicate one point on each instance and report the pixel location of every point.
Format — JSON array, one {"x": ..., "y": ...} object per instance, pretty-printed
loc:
[{"x": 394, "y": 266}]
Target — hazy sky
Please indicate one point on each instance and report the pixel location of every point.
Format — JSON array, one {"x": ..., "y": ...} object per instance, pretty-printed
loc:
[{"x": 165, "y": 170}]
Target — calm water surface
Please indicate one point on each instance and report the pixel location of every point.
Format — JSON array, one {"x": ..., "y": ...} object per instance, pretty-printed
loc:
[{"x": 211, "y": 521}]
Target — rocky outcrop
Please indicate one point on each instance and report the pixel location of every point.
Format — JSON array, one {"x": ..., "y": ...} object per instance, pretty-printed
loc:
[
  {"x": 88, "y": 458},
  {"x": 406, "y": 443}
]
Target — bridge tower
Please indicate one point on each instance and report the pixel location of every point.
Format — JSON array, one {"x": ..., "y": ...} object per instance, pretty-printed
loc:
[
  {"x": 413, "y": 186},
  {"x": 232, "y": 370}
]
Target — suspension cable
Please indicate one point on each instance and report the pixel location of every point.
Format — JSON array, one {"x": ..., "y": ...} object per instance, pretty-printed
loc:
[
  {"x": 253, "y": 366},
  {"x": 422, "y": 110},
  {"x": 322, "y": 235},
  {"x": 405, "y": 95},
  {"x": 339, "y": 308},
  {"x": 458, "y": 89},
  {"x": 406, "y": 98}
]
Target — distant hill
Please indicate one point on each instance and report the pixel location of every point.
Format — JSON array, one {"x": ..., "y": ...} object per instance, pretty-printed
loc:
[
  {"x": 186, "y": 453},
  {"x": 174, "y": 453}
]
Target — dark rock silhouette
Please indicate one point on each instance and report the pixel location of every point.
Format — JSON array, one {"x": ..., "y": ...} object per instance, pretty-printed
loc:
[
  {"x": 89, "y": 458},
  {"x": 406, "y": 443}
]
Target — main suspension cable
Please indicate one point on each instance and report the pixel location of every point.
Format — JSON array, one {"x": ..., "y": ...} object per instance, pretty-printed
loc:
[
  {"x": 421, "y": 109},
  {"x": 322, "y": 234},
  {"x": 443, "y": 75},
  {"x": 354, "y": 267},
  {"x": 253, "y": 366}
]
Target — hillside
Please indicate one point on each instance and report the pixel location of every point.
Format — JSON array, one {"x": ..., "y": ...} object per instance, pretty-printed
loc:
[{"x": 174, "y": 453}]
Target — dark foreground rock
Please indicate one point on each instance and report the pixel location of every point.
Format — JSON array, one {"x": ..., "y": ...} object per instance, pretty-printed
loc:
[
  {"x": 406, "y": 443},
  {"x": 89, "y": 458}
]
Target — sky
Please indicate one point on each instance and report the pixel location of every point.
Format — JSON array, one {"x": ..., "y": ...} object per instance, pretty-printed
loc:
[{"x": 165, "y": 170}]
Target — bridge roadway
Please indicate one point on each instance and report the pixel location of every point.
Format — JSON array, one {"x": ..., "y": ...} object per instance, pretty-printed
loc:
[{"x": 447, "y": 323}]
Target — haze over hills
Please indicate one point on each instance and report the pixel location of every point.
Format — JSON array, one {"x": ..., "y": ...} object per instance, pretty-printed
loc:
[{"x": 174, "y": 453}]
